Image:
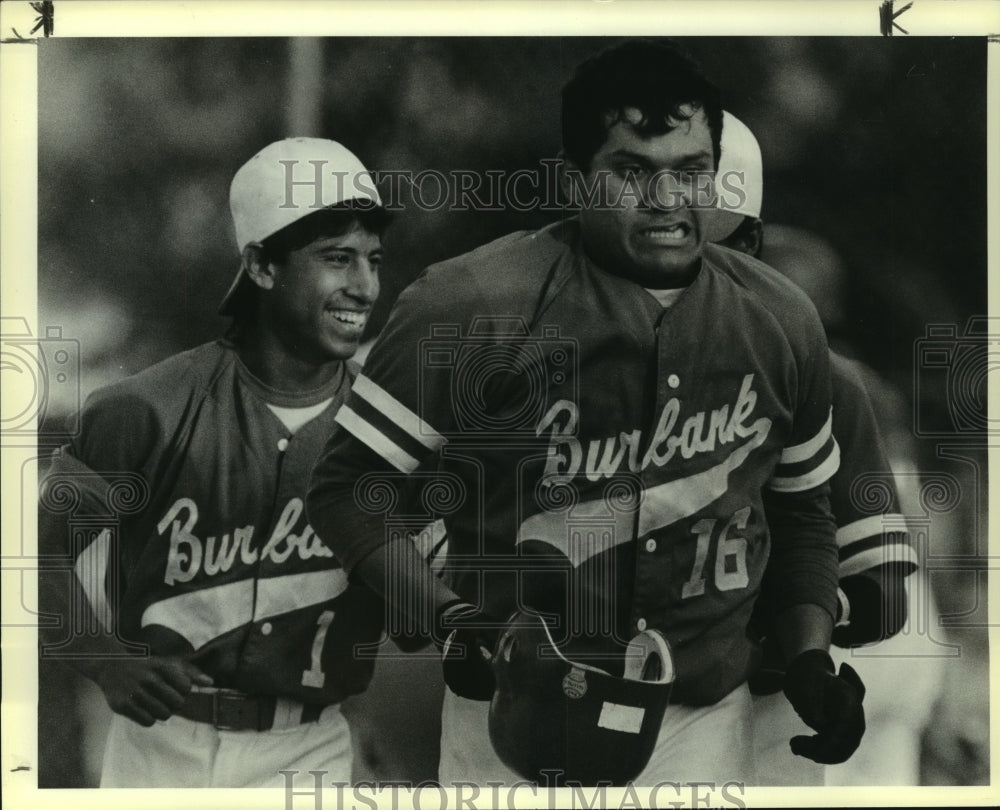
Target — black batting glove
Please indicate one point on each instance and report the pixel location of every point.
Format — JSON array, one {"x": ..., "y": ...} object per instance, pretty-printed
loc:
[
  {"x": 827, "y": 702},
  {"x": 466, "y": 639}
]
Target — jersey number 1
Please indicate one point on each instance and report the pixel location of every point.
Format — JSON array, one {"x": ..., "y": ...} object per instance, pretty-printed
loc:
[
  {"x": 314, "y": 676},
  {"x": 730, "y": 549}
]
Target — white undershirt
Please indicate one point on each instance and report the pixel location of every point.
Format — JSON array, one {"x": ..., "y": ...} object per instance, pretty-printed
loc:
[
  {"x": 294, "y": 418},
  {"x": 667, "y": 298}
]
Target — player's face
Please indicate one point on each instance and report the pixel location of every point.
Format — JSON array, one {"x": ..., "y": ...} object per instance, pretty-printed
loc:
[
  {"x": 323, "y": 294},
  {"x": 645, "y": 227}
]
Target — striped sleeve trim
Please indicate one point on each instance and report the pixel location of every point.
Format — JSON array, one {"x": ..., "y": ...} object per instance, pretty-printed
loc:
[
  {"x": 845, "y": 609},
  {"x": 395, "y": 411},
  {"x": 805, "y": 451},
  {"x": 804, "y": 475},
  {"x": 875, "y": 541},
  {"x": 91, "y": 569},
  {"x": 376, "y": 440},
  {"x": 888, "y": 554},
  {"x": 871, "y": 526}
]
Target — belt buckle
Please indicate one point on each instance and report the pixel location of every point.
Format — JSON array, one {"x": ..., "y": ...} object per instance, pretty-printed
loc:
[{"x": 230, "y": 720}]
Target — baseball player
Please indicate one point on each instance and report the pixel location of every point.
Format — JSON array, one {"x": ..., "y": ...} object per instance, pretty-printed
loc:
[
  {"x": 875, "y": 557},
  {"x": 247, "y": 619},
  {"x": 613, "y": 395}
]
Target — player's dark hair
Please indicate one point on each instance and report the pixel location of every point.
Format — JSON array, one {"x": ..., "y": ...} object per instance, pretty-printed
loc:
[
  {"x": 335, "y": 220},
  {"x": 656, "y": 78}
]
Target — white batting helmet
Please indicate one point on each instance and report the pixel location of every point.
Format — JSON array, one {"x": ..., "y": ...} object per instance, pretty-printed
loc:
[{"x": 739, "y": 180}]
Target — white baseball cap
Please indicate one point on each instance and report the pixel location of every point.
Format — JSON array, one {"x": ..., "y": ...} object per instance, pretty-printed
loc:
[
  {"x": 288, "y": 180},
  {"x": 739, "y": 180}
]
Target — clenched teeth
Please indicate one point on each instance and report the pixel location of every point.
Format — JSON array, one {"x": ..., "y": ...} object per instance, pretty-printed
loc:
[{"x": 678, "y": 231}]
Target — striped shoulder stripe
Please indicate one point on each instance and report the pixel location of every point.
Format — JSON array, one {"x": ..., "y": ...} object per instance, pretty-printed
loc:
[
  {"x": 803, "y": 475},
  {"x": 379, "y": 420},
  {"x": 394, "y": 410},
  {"x": 805, "y": 451},
  {"x": 365, "y": 432}
]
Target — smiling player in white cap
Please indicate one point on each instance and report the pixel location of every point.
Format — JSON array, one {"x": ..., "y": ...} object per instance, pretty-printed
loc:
[{"x": 249, "y": 620}]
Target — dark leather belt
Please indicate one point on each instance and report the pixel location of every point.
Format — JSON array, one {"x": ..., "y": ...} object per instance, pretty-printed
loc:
[{"x": 233, "y": 710}]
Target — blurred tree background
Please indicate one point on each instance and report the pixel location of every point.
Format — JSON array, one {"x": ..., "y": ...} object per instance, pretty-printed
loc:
[{"x": 877, "y": 147}]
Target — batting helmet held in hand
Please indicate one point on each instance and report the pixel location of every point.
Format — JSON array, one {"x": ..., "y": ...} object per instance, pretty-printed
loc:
[{"x": 556, "y": 721}]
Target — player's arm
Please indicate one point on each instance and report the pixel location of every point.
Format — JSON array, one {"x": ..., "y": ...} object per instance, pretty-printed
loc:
[
  {"x": 395, "y": 419},
  {"x": 801, "y": 578},
  {"x": 800, "y": 583},
  {"x": 115, "y": 434},
  {"x": 392, "y": 567},
  {"x": 875, "y": 556}
]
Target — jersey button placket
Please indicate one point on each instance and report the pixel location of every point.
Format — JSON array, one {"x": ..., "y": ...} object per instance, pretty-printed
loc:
[
  {"x": 645, "y": 564},
  {"x": 282, "y": 444}
]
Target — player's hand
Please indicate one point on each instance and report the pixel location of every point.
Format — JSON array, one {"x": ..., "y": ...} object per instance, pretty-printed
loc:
[
  {"x": 148, "y": 689},
  {"x": 466, "y": 641},
  {"x": 827, "y": 702}
]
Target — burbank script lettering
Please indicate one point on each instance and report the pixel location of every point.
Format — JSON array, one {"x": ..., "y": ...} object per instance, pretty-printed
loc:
[
  {"x": 566, "y": 455},
  {"x": 189, "y": 554}
]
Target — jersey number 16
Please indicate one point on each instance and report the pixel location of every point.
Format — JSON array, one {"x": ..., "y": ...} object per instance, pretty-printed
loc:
[{"x": 730, "y": 556}]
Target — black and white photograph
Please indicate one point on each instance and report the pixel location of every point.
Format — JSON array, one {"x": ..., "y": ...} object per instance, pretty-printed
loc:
[{"x": 557, "y": 414}]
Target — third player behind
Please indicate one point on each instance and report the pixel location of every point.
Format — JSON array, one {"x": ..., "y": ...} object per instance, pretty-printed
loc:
[{"x": 875, "y": 556}]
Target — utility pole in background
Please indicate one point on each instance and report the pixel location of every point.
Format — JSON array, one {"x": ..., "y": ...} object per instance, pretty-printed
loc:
[{"x": 304, "y": 113}]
